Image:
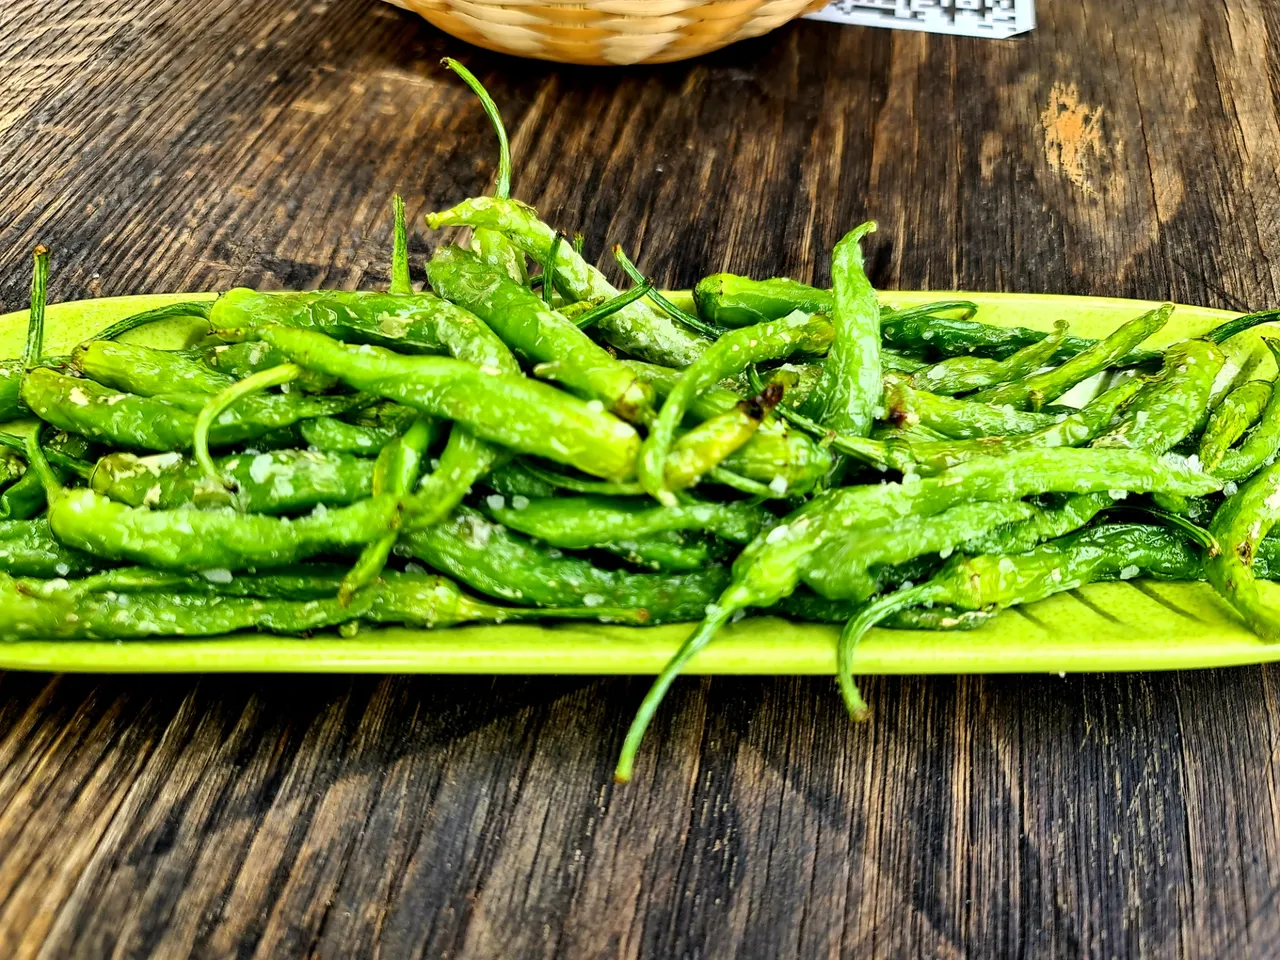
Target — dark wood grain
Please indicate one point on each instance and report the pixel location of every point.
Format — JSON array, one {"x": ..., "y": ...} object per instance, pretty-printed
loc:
[{"x": 1125, "y": 148}]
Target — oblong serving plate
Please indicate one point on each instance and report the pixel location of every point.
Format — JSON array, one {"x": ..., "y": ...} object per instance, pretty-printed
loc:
[{"x": 1133, "y": 625}]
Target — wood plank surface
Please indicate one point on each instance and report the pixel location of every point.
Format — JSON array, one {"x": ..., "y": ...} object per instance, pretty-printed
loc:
[{"x": 1125, "y": 148}]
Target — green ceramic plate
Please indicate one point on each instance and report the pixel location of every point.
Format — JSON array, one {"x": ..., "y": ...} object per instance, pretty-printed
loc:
[{"x": 1137, "y": 625}]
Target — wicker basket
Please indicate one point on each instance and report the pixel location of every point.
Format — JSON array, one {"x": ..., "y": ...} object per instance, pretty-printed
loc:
[{"x": 604, "y": 32}]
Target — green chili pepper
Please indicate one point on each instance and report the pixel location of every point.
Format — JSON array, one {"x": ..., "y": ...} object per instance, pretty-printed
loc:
[
  {"x": 839, "y": 570},
  {"x": 145, "y": 371},
  {"x": 562, "y": 351},
  {"x": 1045, "y": 523},
  {"x": 493, "y": 560},
  {"x": 336, "y": 436},
  {"x": 421, "y": 321},
  {"x": 278, "y": 481},
  {"x": 786, "y": 462},
  {"x": 221, "y": 540},
  {"x": 514, "y": 479},
  {"x": 920, "y": 328},
  {"x": 1239, "y": 526},
  {"x": 1225, "y": 331},
  {"x": 636, "y": 329},
  {"x": 309, "y": 581},
  {"x": 728, "y": 356},
  {"x": 962, "y": 374},
  {"x": 29, "y": 549},
  {"x": 415, "y": 600},
  {"x": 773, "y": 455},
  {"x": 1232, "y": 419},
  {"x": 464, "y": 460},
  {"x": 1037, "y": 390},
  {"x": 958, "y": 419},
  {"x": 165, "y": 422},
  {"x": 24, "y": 499},
  {"x": 576, "y": 523},
  {"x": 851, "y": 386},
  {"x": 771, "y": 566},
  {"x": 522, "y": 414},
  {"x": 732, "y": 301}
]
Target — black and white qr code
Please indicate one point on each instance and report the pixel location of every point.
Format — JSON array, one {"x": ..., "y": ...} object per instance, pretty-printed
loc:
[{"x": 970, "y": 18}]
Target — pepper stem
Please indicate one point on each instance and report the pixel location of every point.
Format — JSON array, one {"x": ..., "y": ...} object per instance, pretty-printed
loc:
[
  {"x": 853, "y": 631},
  {"x": 34, "y": 348},
  {"x": 718, "y": 615},
  {"x": 401, "y": 282},
  {"x": 688, "y": 319},
  {"x": 36, "y": 461},
  {"x": 502, "y": 183},
  {"x": 262, "y": 380},
  {"x": 610, "y": 307},
  {"x": 549, "y": 268}
]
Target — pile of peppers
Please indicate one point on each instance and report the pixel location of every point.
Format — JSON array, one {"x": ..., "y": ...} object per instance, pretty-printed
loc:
[{"x": 520, "y": 439}]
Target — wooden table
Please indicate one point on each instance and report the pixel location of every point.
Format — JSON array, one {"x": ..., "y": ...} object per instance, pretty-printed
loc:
[{"x": 1124, "y": 148}]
